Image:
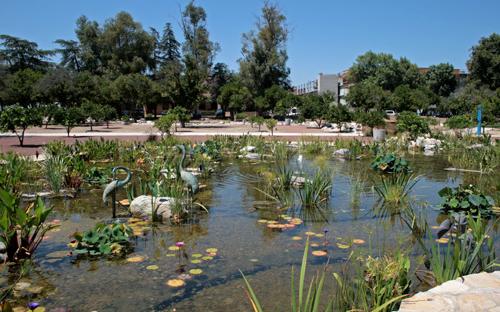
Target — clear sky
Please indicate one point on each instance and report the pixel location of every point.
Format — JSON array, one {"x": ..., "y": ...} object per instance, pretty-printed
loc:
[{"x": 326, "y": 35}]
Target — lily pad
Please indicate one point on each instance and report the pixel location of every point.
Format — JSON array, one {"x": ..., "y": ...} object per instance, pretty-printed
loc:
[
  {"x": 319, "y": 235},
  {"x": 197, "y": 255},
  {"x": 314, "y": 245},
  {"x": 342, "y": 246},
  {"x": 207, "y": 258},
  {"x": 173, "y": 248},
  {"x": 358, "y": 241},
  {"x": 319, "y": 253},
  {"x": 196, "y": 261},
  {"x": 196, "y": 271},
  {"x": 296, "y": 238},
  {"x": 262, "y": 221},
  {"x": 170, "y": 255},
  {"x": 135, "y": 259},
  {"x": 152, "y": 267},
  {"x": 176, "y": 283},
  {"x": 310, "y": 233},
  {"x": 211, "y": 250},
  {"x": 443, "y": 240}
]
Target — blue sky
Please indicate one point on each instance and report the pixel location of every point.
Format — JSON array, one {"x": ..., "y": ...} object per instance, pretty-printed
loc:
[{"x": 326, "y": 36}]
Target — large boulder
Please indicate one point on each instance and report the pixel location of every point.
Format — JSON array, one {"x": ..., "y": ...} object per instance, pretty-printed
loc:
[{"x": 141, "y": 206}]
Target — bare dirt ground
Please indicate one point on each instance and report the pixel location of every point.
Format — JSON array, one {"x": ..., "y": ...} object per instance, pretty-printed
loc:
[{"x": 36, "y": 138}]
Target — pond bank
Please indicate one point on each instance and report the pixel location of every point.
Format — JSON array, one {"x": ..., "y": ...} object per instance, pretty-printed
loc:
[{"x": 475, "y": 292}]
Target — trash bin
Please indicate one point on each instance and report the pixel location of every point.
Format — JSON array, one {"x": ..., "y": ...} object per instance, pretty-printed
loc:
[
  {"x": 288, "y": 121},
  {"x": 379, "y": 135}
]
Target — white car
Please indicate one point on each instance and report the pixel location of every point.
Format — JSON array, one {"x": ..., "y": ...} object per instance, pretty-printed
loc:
[{"x": 390, "y": 113}]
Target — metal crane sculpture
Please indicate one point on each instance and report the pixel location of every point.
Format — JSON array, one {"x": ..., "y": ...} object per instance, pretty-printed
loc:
[
  {"x": 186, "y": 176},
  {"x": 114, "y": 185}
]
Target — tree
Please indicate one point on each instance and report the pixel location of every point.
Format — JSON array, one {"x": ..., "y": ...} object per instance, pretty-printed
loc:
[
  {"x": 71, "y": 54},
  {"x": 17, "y": 119},
  {"x": 406, "y": 99},
  {"x": 58, "y": 86},
  {"x": 385, "y": 71},
  {"x": 89, "y": 37},
  {"x": 484, "y": 62},
  {"x": 264, "y": 52},
  {"x": 368, "y": 95},
  {"x": 69, "y": 117},
  {"x": 92, "y": 112},
  {"x": 234, "y": 97},
  {"x": 413, "y": 124},
  {"x": 133, "y": 91},
  {"x": 108, "y": 114},
  {"x": 271, "y": 124},
  {"x": 219, "y": 76},
  {"x": 271, "y": 97},
  {"x": 198, "y": 54},
  {"x": 20, "y": 54},
  {"x": 182, "y": 115},
  {"x": 287, "y": 102},
  {"x": 166, "y": 50},
  {"x": 20, "y": 87},
  {"x": 48, "y": 112},
  {"x": 317, "y": 107},
  {"x": 339, "y": 114},
  {"x": 441, "y": 79}
]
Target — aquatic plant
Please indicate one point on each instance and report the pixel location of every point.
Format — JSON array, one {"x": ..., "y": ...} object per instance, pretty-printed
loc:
[
  {"x": 485, "y": 159},
  {"x": 390, "y": 163},
  {"x": 314, "y": 147},
  {"x": 466, "y": 198},
  {"x": 103, "y": 240},
  {"x": 22, "y": 228},
  {"x": 471, "y": 252},
  {"x": 379, "y": 284},
  {"x": 55, "y": 169},
  {"x": 315, "y": 190},
  {"x": 394, "y": 189},
  {"x": 298, "y": 301},
  {"x": 12, "y": 171}
]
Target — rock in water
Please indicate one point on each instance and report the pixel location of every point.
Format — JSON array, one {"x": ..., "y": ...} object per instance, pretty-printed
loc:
[{"x": 141, "y": 206}]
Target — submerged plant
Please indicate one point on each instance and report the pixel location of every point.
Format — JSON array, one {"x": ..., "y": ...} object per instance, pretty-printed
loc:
[{"x": 22, "y": 228}]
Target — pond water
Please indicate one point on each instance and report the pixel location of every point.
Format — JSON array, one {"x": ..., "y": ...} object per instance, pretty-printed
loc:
[{"x": 232, "y": 226}]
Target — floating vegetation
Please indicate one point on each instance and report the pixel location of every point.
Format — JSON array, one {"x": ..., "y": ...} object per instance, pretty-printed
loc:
[
  {"x": 319, "y": 253},
  {"x": 152, "y": 267},
  {"x": 195, "y": 271},
  {"x": 136, "y": 259},
  {"x": 296, "y": 238},
  {"x": 175, "y": 283}
]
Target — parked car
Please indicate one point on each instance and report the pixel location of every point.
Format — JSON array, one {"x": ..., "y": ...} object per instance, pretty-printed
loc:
[
  {"x": 219, "y": 113},
  {"x": 390, "y": 113}
]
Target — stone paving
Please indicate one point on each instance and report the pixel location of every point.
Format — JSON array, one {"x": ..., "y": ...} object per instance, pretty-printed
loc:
[{"x": 475, "y": 292}]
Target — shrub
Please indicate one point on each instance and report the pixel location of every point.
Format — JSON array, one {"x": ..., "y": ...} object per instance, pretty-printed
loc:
[
  {"x": 459, "y": 122},
  {"x": 182, "y": 114},
  {"x": 413, "y": 124},
  {"x": 165, "y": 122}
]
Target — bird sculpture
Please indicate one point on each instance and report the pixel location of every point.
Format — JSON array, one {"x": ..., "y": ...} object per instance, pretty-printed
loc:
[
  {"x": 114, "y": 185},
  {"x": 300, "y": 162},
  {"x": 186, "y": 176}
]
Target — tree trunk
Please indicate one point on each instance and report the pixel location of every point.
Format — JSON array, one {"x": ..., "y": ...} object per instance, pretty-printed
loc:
[
  {"x": 91, "y": 123},
  {"x": 21, "y": 137},
  {"x": 68, "y": 129}
]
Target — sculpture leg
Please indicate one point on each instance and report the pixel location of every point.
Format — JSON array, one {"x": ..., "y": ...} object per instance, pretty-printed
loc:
[{"x": 113, "y": 198}]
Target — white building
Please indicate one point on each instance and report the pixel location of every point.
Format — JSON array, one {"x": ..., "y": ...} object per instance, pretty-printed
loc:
[{"x": 324, "y": 83}]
